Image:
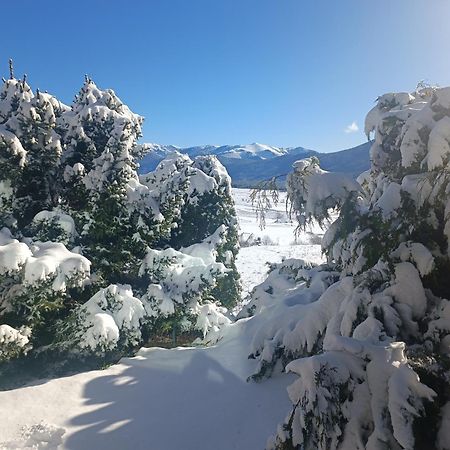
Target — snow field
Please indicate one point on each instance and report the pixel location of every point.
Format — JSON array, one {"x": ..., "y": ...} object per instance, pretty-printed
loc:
[{"x": 277, "y": 240}]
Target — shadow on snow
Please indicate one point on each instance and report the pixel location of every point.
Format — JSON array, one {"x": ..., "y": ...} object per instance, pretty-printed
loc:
[{"x": 190, "y": 403}]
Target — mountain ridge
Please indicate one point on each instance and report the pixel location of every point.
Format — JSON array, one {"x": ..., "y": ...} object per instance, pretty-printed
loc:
[{"x": 249, "y": 164}]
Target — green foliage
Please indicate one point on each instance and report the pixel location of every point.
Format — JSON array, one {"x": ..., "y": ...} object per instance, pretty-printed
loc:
[
  {"x": 108, "y": 240},
  {"x": 432, "y": 369},
  {"x": 36, "y": 189},
  {"x": 200, "y": 219},
  {"x": 49, "y": 230}
]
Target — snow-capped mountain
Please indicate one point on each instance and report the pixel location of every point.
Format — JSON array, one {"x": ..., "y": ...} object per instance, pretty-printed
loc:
[
  {"x": 248, "y": 164},
  {"x": 248, "y": 151}
]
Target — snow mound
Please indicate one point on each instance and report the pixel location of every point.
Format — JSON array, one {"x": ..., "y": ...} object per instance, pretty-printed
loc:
[
  {"x": 37, "y": 437},
  {"x": 13, "y": 254},
  {"x": 52, "y": 259},
  {"x": 111, "y": 314}
]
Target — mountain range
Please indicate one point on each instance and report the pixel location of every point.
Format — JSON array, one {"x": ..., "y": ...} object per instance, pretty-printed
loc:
[{"x": 252, "y": 163}]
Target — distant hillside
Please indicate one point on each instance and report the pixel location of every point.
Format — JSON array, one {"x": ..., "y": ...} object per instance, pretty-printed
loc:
[{"x": 249, "y": 164}]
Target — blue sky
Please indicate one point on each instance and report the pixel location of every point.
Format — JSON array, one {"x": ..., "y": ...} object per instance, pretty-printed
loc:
[{"x": 281, "y": 72}]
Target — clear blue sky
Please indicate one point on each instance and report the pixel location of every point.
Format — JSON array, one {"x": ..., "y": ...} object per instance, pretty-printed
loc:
[{"x": 281, "y": 72}]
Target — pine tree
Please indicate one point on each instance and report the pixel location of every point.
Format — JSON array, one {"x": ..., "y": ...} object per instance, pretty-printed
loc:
[
  {"x": 368, "y": 333},
  {"x": 36, "y": 190},
  {"x": 202, "y": 213},
  {"x": 99, "y": 165},
  {"x": 13, "y": 156},
  {"x": 30, "y": 149},
  {"x": 196, "y": 197}
]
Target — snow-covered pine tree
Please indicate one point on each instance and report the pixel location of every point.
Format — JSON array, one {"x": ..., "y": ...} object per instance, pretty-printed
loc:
[
  {"x": 204, "y": 211},
  {"x": 33, "y": 286},
  {"x": 29, "y": 130},
  {"x": 12, "y": 153},
  {"x": 196, "y": 195},
  {"x": 99, "y": 165},
  {"x": 37, "y": 188},
  {"x": 368, "y": 333}
]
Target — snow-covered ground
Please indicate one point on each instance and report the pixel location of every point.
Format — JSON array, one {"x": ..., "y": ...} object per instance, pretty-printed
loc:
[
  {"x": 277, "y": 239},
  {"x": 184, "y": 398}
]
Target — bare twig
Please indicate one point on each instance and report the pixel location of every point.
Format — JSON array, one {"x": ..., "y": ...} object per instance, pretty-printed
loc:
[
  {"x": 11, "y": 69},
  {"x": 263, "y": 196}
]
